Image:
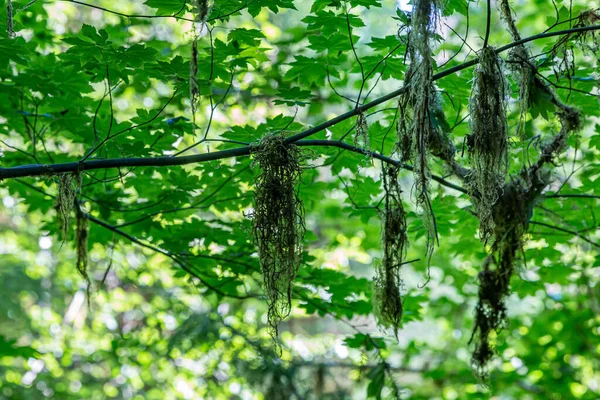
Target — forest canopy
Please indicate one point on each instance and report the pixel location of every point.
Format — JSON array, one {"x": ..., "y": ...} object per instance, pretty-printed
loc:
[{"x": 279, "y": 199}]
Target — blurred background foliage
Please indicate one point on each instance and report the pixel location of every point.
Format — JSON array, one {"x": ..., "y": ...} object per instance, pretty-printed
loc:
[{"x": 189, "y": 321}]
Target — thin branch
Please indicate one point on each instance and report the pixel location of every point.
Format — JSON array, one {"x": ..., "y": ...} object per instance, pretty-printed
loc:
[
  {"x": 18, "y": 150},
  {"x": 438, "y": 76},
  {"x": 38, "y": 169},
  {"x": 156, "y": 249},
  {"x": 213, "y": 107},
  {"x": 334, "y": 89},
  {"x": 218, "y": 17},
  {"x": 142, "y": 16},
  {"x": 572, "y": 195},
  {"x": 362, "y": 69},
  {"x": 109, "y": 136},
  {"x": 345, "y": 146},
  {"x": 166, "y": 253},
  {"x": 488, "y": 24},
  {"x": 464, "y": 41},
  {"x": 558, "y": 228},
  {"x": 135, "y": 16}
]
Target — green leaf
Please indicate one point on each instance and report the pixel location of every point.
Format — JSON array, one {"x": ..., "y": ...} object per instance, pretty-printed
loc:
[
  {"x": 167, "y": 7},
  {"x": 9, "y": 349},
  {"x": 365, "y": 3},
  {"x": 256, "y": 6},
  {"x": 293, "y": 96},
  {"x": 377, "y": 377},
  {"x": 250, "y": 37},
  {"x": 308, "y": 71}
]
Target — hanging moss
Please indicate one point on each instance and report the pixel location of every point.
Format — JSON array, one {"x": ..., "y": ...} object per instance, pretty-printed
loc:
[
  {"x": 361, "y": 133},
  {"x": 81, "y": 244},
  {"x": 68, "y": 187},
  {"x": 203, "y": 9},
  {"x": 413, "y": 127},
  {"x": 413, "y": 122},
  {"x": 521, "y": 66},
  {"x": 9, "y": 20},
  {"x": 200, "y": 9},
  {"x": 278, "y": 224},
  {"x": 590, "y": 40},
  {"x": 511, "y": 214},
  {"x": 488, "y": 144},
  {"x": 524, "y": 71},
  {"x": 388, "y": 281},
  {"x": 570, "y": 120},
  {"x": 194, "y": 89},
  {"x": 65, "y": 201}
]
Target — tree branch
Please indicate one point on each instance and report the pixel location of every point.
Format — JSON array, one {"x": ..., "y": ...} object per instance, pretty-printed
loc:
[
  {"x": 488, "y": 23},
  {"x": 39, "y": 169},
  {"x": 142, "y": 16},
  {"x": 154, "y": 248},
  {"x": 558, "y": 228},
  {"x": 381, "y": 157}
]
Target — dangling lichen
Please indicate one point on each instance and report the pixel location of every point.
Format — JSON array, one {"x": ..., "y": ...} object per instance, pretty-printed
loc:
[
  {"x": 512, "y": 213},
  {"x": 520, "y": 64},
  {"x": 9, "y": 20},
  {"x": 361, "y": 138},
  {"x": 413, "y": 122},
  {"x": 81, "y": 244},
  {"x": 200, "y": 8},
  {"x": 413, "y": 127},
  {"x": 65, "y": 201},
  {"x": 514, "y": 208},
  {"x": 68, "y": 187},
  {"x": 519, "y": 58},
  {"x": 590, "y": 40},
  {"x": 194, "y": 89},
  {"x": 361, "y": 135},
  {"x": 203, "y": 8},
  {"x": 278, "y": 224},
  {"x": 388, "y": 282},
  {"x": 488, "y": 144},
  {"x": 570, "y": 121}
]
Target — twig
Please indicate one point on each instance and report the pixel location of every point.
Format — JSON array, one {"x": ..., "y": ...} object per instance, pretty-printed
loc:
[
  {"x": 38, "y": 169},
  {"x": 558, "y": 228}
]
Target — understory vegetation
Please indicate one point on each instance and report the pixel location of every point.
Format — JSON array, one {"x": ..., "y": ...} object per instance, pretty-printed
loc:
[{"x": 279, "y": 199}]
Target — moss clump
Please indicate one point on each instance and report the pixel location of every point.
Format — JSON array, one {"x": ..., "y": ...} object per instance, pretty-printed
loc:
[
  {"x": 511, "y": 214},
  {"x": 202, "y": 10},
  {"x": 68, "y": 187},
  {"x": 414, "y": 129},
  {"x": 65, "y": 201},
  {"x": 519, "y": 58},
  {"x": 194, "y": 88},
  {"x": 488, "y": 144},
  {"x": 361, "y": 134},
  {"x": 388, "y": 281},
  {"x": 520, "y": 65},
  {"x": 81, "y": 244},
  {"x": 413, "y": 123},
  {"x": 9, "y": 20},
  {"x": 278, "y": 224}
]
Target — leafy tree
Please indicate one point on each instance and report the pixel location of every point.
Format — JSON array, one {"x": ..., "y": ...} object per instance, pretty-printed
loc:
[{"x": 279, "y": 199}]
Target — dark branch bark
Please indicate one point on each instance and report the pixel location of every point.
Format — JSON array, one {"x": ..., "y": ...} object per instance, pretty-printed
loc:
[{"x": 38, "y": 169}]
